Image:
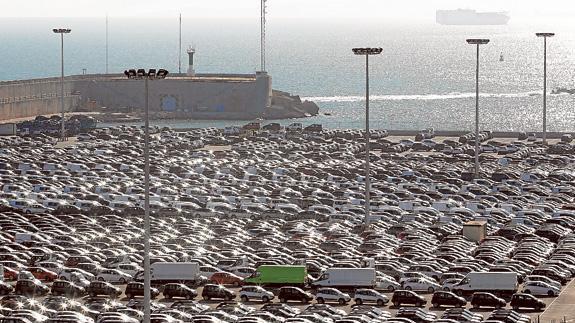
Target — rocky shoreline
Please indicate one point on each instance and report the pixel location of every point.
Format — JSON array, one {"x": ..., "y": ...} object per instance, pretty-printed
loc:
[{"x": 283, "y": 106}]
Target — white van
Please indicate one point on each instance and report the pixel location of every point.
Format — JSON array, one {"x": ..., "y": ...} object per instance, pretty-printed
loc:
[{"x": 27, "y": 236}]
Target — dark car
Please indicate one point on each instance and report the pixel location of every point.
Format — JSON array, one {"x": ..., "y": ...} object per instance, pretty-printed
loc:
[
  {"x": 487, "y": 299},
  {"x": 31, "y": 287},
  {"x": 67, "y": 288},
  {"x": 447, "y": 298},
  {"x": 137, "y": 289},
  {"x": 294, "y": 294},
  {"x": 179, "y": 290},
  {"x": 526, "y": 300},
  {"x": 103, "y": 288},
  {"x": 401, "y": 297},
  {"x": 217, "y": 291},
  {"x": 5, "y": 288}
]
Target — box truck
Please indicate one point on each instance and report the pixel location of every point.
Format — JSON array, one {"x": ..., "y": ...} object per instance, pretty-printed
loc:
[
  {"x": 172, "y": 272},
  {"x": 498, "y": 283},
  {"x": 269, "y": 275},
  {"x": 346, "y": 278}
]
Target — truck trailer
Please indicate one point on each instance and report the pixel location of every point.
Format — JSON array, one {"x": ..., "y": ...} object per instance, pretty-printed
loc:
[
  {"x": 499, "y": 283},
  {"x": 278, "y": 275},
  {"x": 347, "y": 278},
  {"x": 187, "y": 273}
]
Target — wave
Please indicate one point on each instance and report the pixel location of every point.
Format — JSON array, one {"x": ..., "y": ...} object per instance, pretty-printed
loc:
[{"x": 422, "y": 97}]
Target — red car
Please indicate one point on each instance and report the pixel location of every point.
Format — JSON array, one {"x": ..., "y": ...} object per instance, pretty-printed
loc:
[
  {"x": 223, "y": 278},
  {"x": 10, "y": 274},
  {"x": 43, "y": 274}
]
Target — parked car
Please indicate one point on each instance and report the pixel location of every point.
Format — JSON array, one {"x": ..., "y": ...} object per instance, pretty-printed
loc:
[
  {"x": 540, "y": 288},
  {"x": 179, "y": 290},
  {"x": 255, "y": 292},
  {"x": 211, "y": 291},
  {"x": 103, "y": 288},
  {"x": 401, "y": 297},
  {"x": 294, "y": 294},
  {"x": 67, "y": 288},
  {"x": 480, "y": 299},
  {"x": 331, "y": 295},
  {"x": 31, "y": 287},
  {"x": 370, "y": 296},
  {"x": 225, "y": 278},
  {"x": 137, "y": 289},
  {"x": 526, "y": 301},
  {"x": 447, "y": 298}
]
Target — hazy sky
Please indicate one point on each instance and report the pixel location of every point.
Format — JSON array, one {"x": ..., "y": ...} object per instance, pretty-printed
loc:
[{"x": 398, "y": 9}]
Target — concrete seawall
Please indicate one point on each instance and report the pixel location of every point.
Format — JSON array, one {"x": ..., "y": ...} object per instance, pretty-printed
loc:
[{"x": 203, "y": 96}]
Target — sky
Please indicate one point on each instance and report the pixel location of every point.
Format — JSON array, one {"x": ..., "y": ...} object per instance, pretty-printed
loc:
[{"x": 522, "y": 10}]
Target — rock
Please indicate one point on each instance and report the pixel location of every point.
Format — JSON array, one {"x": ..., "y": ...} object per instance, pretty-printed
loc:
[{"x": 287, "y": 106}]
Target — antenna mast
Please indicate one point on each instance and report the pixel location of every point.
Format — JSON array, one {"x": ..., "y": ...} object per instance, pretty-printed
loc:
[
  {"x": 263, "y": 36},
  {"x": 106, "y": 43},
  {"x": 180, "y": 48}
]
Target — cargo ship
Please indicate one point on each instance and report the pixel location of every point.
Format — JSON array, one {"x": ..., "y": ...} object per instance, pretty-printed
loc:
[{"x": 470, "y": 17}]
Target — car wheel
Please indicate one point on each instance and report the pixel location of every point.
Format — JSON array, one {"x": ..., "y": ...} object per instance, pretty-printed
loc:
[
  {"x": 101, "y": 279},
  {"x": 538, "y": 308},
  {"x": 206, "y": 298},
  {"x": 188, "y": 296},
  {"x": 167, "y": 296},
  {"x": 244, "y": 298},
  {"x": 341, "y": 301},
  {"x": 129, "y": 296},
  {"x": 527, "y": 291},
  {"x": 431, "y": 290},
  {"x": 436, "y": 305},
  {"x": 236, "y": 284},
  {"x": 283, "y": 300},
  {"x": 476, "y": 306},
  {"x": 390, "y": 288},
  {"x": 551, "y": 293},
  {"x": 418, "y": 304},
  {"x": 358, "y": 301},
  {"x": 380, "y": 302},
  {"x": 516, "y": 308},
  {"x": 63, "y": 278},
  {"x": 446, "y": 289},
  {"x": 498, "y": 306},
  {"x": 459, "y": 293},
  {"x": 320, "y": 300},
  {"x": 408, "y": 288},
  {"x": 396, "y": 304},
  {"x": 122, "y": 280},
  {"x": 304, "y": 300},
  {"x": 265, "y": 299}
]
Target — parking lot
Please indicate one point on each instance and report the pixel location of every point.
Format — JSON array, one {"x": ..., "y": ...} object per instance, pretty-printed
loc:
[{"x": 232, "y": 204}]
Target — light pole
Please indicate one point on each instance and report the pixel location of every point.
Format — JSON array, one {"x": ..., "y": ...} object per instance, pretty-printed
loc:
[
  {"x": 367, "y": 52},
  {"x": 477, "y": 42},
  {"x": 62, "y": 31},
  {"x": 545, "y": 35},
  {"x": 150, "y": 75}
]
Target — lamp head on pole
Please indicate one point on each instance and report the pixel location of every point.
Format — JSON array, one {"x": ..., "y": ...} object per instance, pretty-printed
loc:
[
  {"x": 545, "y": 34},
  {"x": 141, "y": 73},
  {"x": 61, "y": 30},
  {"x": 477, "y": 41},
  {"x": 367, "y": 51}
]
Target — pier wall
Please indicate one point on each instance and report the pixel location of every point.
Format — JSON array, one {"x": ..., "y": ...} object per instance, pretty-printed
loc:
[{"x": 204, "y": 96}]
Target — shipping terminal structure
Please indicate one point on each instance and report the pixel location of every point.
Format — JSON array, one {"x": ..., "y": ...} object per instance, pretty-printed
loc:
[{"x": 471, "y": 17}]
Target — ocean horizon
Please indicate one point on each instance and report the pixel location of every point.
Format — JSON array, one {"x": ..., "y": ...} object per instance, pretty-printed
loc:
[{"x": 425, "y": 76}]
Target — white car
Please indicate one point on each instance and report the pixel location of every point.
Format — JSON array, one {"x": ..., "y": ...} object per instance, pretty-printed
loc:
[
  {"x": 540, "y": 288},
  {"x": 370, "y": 296},
  {"x": 448, "y": 284},
  {"x": 255, "y": 292},
  {"x": 421, "y": 284},
  {"x": 113, "y": 276},
  {"x": 209, "y": 270},
  {"x": 243, "y": 272},
  {"x": 333, "y": 295},
  {"x": 67, "y": 273},
  {"x": 130, "y": 268},
  {"x": 538, "y": 278},
  {"x": 388, "y": 284}
]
